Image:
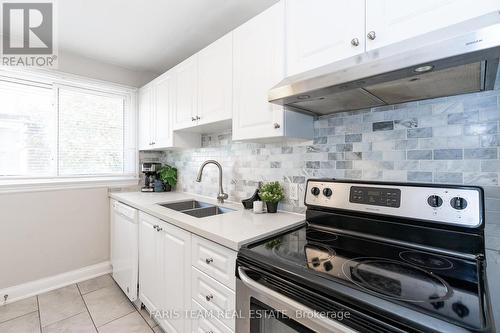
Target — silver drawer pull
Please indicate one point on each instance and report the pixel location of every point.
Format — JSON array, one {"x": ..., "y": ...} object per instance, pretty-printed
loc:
[
  {"x": 209, "y": 297},
  {"x": 371, "y": 35},
  {"x": 209, "y": 261}
]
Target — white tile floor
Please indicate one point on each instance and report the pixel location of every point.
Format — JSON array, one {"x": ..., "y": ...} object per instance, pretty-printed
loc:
[{"x": 92, "y": 306}]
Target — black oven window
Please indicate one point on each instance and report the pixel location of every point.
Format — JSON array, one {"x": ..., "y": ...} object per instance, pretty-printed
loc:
[{"x": 267, "y": 320}]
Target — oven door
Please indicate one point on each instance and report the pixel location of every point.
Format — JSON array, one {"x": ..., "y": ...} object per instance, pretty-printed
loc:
[{"x": 263, "y": 310}]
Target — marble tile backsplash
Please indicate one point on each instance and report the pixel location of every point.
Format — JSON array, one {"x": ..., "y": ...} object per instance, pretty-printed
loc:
[
  {"x": 447, "y": 140},
  {"x": 453, "y": 140}
]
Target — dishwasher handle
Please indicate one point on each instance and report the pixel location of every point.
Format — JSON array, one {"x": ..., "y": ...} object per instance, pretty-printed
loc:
[{"x": 281, "y": 302}]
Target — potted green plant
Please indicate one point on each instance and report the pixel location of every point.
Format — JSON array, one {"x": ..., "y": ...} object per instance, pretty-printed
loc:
[
  {"x": 271, "y": 193},
  {"x": 168, "y": 174}
]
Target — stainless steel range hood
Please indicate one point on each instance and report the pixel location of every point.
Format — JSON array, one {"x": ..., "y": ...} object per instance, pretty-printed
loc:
[{"x": 459, "y": 59}]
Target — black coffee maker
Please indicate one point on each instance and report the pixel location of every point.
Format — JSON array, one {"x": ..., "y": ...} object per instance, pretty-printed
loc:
[{"x": 150, "y": 171}]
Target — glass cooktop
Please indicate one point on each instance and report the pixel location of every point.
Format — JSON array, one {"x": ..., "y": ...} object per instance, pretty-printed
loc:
[{"x": 443, "y": 286}]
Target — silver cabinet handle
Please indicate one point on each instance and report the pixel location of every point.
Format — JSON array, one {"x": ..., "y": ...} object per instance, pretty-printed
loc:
[
  {"x": 198, "y": 117},
  {"x": 159, "y": 229},
  {"x": 209, "y": 297},
  {"x": 153, "y": 143},
  {"x": 276, "y": 125},
  {"x": 193, "y": 119},
  {"x": 355, "y": 42},
  {"x": 287, "y": 305},
  {"x": 155, "y": 227},
  {"x": 209, "y": 261},
  {"x": 371, "y": 35}
]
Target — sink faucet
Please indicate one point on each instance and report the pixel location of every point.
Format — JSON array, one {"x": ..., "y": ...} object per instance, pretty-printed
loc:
[{"x": 221, "y": 196}]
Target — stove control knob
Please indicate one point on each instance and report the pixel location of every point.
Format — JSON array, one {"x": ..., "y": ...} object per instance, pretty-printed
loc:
[
  {"x": 458, "y": 203},
  {"x": 435, "y": 201},
  {"x": 315, "y": 191},
  {"x": 327, "y": 192}
]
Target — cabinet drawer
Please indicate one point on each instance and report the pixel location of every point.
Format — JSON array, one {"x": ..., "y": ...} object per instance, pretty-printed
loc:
[
  {"x": 215, "y": 260},
  {"x": 206, "y": 323},
  {"x": 213, "y": 296}
]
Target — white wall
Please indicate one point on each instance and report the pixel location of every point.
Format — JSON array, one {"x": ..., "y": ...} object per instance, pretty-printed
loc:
[
  {"x": 47, "y": 233},
  {"x": 76, "y": 64}
]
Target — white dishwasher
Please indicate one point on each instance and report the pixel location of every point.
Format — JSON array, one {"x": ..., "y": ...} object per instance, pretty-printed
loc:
[{"x": 125, "y": 247}]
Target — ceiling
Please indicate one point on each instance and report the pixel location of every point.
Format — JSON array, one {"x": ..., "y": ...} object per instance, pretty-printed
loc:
[{"x": 148, "y": 35}]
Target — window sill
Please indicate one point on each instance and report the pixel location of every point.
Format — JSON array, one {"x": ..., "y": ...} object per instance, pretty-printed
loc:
[{"x": 51, "y": 184}]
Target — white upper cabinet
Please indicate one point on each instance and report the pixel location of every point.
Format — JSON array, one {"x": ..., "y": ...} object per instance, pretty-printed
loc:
[
  {"x": 145, "y": 117},
  {"x": 215, "y": 79},
  {"x": 259, "y": 64},
  {"x": 164, "y": 103},
  {"x": 186, "y": 94},
  {"x": 157, "y": 106},
  {"x": 320, "y": 32},
  {"x": 391, "y": 21}
]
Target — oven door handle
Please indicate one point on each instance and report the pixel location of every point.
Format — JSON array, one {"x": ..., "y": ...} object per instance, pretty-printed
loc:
[{"x": 318, "y": 323}]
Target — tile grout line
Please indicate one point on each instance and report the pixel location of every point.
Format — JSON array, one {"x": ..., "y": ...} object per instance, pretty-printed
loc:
[
  {"x": 116, "y": 285},
  {"x": 56, "y": 322},
  {"x": 86, "y": 307},
  {"x": 147, "y": 324},
  {"x": 6, "y": 321},
  {"x": 109, "y": 322},
  {"x": 138, "y": 311},
  {"x": 39, "y": 316}
]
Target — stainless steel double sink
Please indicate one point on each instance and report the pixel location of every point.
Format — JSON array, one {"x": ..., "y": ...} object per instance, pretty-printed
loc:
[{"x": 197, "y": 208}]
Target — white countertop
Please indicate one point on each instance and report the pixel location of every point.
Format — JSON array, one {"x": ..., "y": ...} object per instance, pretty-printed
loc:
[{"x": 232, "y": 229}]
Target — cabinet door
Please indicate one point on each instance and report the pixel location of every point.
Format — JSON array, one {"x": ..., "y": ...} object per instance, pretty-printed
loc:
[
  {"x": 215, "y": 80},
  {"x": 186, "y": 74},
  {"x": 145, "y": 118},
  {"x": 394, "y": 20},
  {"x": 177, "y": 273},
  {"x": 162, "y": 125},
  {"x": 324, "y": 32},
  {"x": 150, "y": 263},
  {"x": 258, "y": 66}
]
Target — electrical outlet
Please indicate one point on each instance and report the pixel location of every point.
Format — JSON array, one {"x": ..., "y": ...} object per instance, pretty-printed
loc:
[{"x": 293, "y": 191}]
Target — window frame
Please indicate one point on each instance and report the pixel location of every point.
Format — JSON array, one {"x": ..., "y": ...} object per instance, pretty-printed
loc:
[{"x": 56, "y": 82}]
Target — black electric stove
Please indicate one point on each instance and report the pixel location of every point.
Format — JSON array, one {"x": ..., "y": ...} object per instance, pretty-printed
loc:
[{"x": 396, "y": 257}]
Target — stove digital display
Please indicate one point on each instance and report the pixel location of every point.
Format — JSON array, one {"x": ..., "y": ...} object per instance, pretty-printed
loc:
[{"x": 388, "y": 197}]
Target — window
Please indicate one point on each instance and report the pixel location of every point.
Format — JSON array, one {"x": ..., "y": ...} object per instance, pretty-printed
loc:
[
  {"x": 27, "y": 130},
  {"x": 55, "y": 131},
  {"x": 90, "y": 133}
]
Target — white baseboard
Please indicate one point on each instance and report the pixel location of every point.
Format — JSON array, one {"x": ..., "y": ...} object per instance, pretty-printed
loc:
[{"x": 25, "y": 290}]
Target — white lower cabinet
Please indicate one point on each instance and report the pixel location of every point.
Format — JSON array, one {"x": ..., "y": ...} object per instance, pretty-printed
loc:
[
  {"x": 178, "y": 269},
  {"x": 150, "y": 259},
  {"x": 206, "y": 322},
  {"x": 164, "y": 271},
  {"x": 215, "y": 260},
  {"x": 213, "y": 296}
]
